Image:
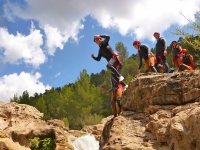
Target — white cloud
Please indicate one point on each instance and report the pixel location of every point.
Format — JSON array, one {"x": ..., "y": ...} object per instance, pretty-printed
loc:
[
  {"x": 58, "y": 74},
  {"x": 17, "y": 48},
  {"x": 63, "y": 18},
  {"x": 144, "y": 17},
  {"x": 17, "y": 84},
  {"x": 60, "y": 21}
]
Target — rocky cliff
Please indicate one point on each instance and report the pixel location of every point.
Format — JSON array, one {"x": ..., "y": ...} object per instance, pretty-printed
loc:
[
  {"x": 160, "y": 112},
  {"x": 19, "y": 123}
]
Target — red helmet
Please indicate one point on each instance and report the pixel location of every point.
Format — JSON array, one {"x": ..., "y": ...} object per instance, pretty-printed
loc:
[
  {"x": 136, "y": 42},
  {"x": 157, "y": 33},
  {"x": 97, "y": 38},
  {"x": 174, "y": 41},
  {"x": 185, "y": 51}
]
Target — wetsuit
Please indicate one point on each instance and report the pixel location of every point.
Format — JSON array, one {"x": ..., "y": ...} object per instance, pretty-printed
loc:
[
  {"x": 149, "y": 62},
  {"x": 175, "y": 56},
  {"x": 187, "y": 63},
  {"x": 107, "y": 52},
  {"x": 119, "y": 69},
  {"x": 161, "y": 46},
  {"x": 117, "y": 90}
]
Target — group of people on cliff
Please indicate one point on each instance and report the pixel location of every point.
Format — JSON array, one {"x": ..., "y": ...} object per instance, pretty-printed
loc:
[
  {"x": 153, "y": 62},
  {"x": 158, "y": 62}
]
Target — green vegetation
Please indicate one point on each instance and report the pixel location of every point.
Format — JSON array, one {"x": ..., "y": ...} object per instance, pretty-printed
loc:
[
  {"x": 190, "y": 36},
  {"x": 45, "y": 144}
]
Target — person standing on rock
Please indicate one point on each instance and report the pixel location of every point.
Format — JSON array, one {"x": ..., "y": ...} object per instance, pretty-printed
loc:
[
  {"x": 112, "y": 57},
  {"x": 117, "y": 90},
  {"x": 145, "y": 53},
  {"x": 187, "y": 61},
  {"x": 176, "y": 61},
  {"x": 161, "y": 53}
]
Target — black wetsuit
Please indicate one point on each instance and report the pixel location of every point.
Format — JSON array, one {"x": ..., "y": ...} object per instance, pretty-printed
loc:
[
  {"x": 143, "y": 53},
  {"x": 161, "y": 46},
  {"x": 107, "y": 52}
]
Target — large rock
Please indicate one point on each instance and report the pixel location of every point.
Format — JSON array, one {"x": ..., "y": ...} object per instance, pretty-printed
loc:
[
  {"x": 128, "y": 132},
  {"x": 161, "y": 89},
  {"x": 160, "y": 112},
  {"x": 20, "y": 122}
]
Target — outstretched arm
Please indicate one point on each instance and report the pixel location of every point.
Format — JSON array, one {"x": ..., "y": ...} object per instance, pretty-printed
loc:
[{"x": 98, "y": 58}]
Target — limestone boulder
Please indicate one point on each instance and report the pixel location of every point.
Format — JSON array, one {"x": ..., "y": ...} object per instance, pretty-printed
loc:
[
  {"x": 160, "y": 112},
  {"x": 19, "y": 123},
  {"x": 161, "y": 89}
]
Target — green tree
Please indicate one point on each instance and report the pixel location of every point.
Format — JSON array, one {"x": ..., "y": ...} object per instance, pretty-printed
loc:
[
  {"x": 82, "y": 100},
  {"x": 15, "y": 99},
  {"x": 24, "y": 99},
  {"x": 41, "y": 105},
  {"x": 122, "y": 51},
  {"x": 190, "y": 35},
  {"x": 52, "y": 105}
]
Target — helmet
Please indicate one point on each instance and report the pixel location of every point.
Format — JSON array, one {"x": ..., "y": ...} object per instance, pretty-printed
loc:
[
  {"x": 136, "y": 42},
  {"x": 97, "y": 38},
  {"x": 157, "y": 33},
  {"x": 174, "y": 41},
  {"x": 185, "y": 51}
]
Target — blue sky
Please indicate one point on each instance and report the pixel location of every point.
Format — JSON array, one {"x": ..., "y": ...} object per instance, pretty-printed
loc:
[{"x": 47, "y": 43}]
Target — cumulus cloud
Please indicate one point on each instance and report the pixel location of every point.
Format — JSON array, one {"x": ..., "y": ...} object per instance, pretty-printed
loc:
[
  {"x": 144, "y": 17},
  {"x": 17, "y": 84},
  {"x": 60, "y": 20},
  {"x": 139, "y": 18},
  {"x": 17, "y": 48}
]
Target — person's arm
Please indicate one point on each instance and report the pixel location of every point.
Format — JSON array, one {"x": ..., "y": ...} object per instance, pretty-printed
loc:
[
  {"x": 172, "y": 57},
  {"x": 140, "y": 63},
  {"x": 98, "y": 58},
  {"x": 106, "y": 38},
  {"x": 179, "y": 48},
  {"x": 191, "y": 61},
  {"x": 164, "y": 43},
  {"x": 165, "y": 46},
  {"x": 148, "y": 50}
]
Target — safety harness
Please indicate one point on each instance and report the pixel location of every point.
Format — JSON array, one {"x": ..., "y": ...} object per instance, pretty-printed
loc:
[{"x": 118, "y": 59}]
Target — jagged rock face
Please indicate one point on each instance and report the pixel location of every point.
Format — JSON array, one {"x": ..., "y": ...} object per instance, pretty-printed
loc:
[
  {"x": 128, "y": 132},
  {"x": 161, "y": 89},
  {"x": 96, "y": 130},
  {"x": 20, "y": 122},
  {"x": 179, "y": 127},
  {"x": 160, "y": 111}
]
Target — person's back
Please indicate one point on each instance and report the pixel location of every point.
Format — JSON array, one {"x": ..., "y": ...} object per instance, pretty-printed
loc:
[
  {"x": 187, "y": 61},
  {"x": 144, "y": 51},
  {"x": 146, "y": 54}
]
